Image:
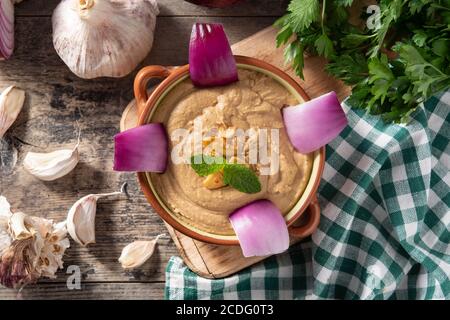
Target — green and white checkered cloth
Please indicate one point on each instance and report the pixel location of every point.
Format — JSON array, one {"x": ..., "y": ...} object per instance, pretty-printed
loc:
[{"x": 385, "y": 228}]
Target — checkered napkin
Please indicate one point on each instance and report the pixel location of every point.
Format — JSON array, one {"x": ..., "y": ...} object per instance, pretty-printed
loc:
[{"x": 385, "y": 228}]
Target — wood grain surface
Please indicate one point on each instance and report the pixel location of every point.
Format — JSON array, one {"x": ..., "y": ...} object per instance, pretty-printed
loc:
[{"x": 57, "y": 104}]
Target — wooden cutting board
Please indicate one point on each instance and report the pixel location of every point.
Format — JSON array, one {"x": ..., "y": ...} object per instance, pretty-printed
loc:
[{"x": 212, "y": 261}]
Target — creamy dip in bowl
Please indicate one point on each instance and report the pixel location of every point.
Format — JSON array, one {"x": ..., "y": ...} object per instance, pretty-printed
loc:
[{"x": 254, "y": 102}]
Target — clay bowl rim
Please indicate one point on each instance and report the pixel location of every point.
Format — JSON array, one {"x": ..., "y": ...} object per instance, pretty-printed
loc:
[{"x": 177, "y": 73}]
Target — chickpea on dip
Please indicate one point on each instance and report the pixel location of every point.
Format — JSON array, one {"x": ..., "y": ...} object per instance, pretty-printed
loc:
[{"x": 254, "y": 102}]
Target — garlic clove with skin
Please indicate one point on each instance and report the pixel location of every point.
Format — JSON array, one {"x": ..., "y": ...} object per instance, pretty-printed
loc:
[
  {"x": 103, "y": 38},
  {"x": 53, "y": 165},
  {"x": 11, "y": 103},
  {"x": 80, "y": 220},
  {"x": 137, "y": 253}
]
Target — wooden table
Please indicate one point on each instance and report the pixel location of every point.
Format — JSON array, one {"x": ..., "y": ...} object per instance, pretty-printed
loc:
[{"x": 57, "y": 102}]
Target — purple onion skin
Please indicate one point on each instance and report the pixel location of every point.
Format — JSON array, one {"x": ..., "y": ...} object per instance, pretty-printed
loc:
[
  {"x": 6, "y": 29},
  {"x": 313, "y": 124},
  {"x": 211, "y": 61},
  {"x": 260, "y": 228},
  {"x": 142, "y": 149}
]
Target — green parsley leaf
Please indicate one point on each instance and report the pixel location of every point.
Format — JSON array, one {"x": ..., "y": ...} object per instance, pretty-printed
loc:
[
  {"x": 419, "y": 38},
  {"x": 425, "y": 77},
  {"x": 241, "y": 178},
  {"x": 379, "y": 69},
  {"x": 324, "y": 46},
  {"x": 343, "y": 3},
  {"x": 294, "y": 53},
  {"x": 283, "y": 35},
  {"x": 354, "y": 40},
  {"x": 415, "y": 6},
  {"x": 352, "y": 69},
  {"x": 303, "y": 13},
  {"x": 441, "y": 47}
]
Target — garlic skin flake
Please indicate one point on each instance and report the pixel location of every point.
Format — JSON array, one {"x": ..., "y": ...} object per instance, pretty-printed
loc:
[
  {"x": 137, "y": 253},
  {"x": 17, "y": 228},
  {"x": 36, "y": 247},
  {"x": 103, "y": 38},
  {"x": 80, "y": 220},
  {"x": 11, "y": 103},
  {"x": 53, "y": 165}
]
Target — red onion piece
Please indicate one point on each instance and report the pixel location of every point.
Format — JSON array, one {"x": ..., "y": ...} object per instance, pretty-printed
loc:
[
  {"x": 141, "y": 149},
  {"x": 315, "y": 123},
  {"x": 6, "y": 29},
  {"x": 260, "y": 228},
  {"x": 211, "y": 62}
]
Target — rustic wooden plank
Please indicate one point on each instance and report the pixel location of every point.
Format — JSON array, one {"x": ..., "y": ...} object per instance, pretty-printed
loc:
[
  {"x": 98, "y": 291},
  {"x": 250, "y": 8},
  {"x": 189, "y": 252}
]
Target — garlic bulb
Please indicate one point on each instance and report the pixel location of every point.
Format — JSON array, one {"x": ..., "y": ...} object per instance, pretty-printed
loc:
[
  {"x": 137, "y": 253},
  {"x": 53, "y": 165},
  {"x": 103, "y": 38},
  {"x": 81, "y": 217},
  {"x": 11, "y": 102},
  {"x": 36, "y": 247}
]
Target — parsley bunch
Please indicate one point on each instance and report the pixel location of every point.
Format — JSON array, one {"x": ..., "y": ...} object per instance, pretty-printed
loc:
[{"x": 393, "y": 63}]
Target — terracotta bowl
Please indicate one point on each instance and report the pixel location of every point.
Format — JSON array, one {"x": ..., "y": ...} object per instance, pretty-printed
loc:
[{"x": 302, "y": 219}]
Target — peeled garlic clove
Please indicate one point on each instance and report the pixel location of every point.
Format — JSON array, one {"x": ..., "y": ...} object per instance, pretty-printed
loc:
[
  {"x": 137, "y": 253},
  {"x": 53, "y": 165},
  {"x": 17, "y": 227},
  {"x": 11, "y": 102},
  {"x": 81, "y": 218},
  {"x": 103, "y": 38}
]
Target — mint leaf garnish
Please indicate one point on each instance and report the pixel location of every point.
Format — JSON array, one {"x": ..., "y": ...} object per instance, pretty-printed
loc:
[
  {"x": 237, "y": 176},
  {"x": 205, "y": 165},
  {"x": 241, "y": 178}
]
